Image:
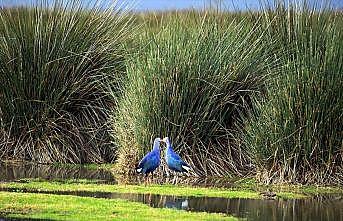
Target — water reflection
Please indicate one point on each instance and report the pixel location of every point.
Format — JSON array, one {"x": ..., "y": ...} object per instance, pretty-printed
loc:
[
  {"x": 329, "y": 209},
  {"x": 325, "y": 208},
  {"x": 317, "y": 208},
  {"x": 11, "y": 172}
]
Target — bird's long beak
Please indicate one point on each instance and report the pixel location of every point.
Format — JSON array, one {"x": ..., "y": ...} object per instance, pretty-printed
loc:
[{"x": 164, "y": 139}]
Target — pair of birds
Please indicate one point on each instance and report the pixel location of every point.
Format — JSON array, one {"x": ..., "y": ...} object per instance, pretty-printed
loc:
[{"x": 152, "y": 160}]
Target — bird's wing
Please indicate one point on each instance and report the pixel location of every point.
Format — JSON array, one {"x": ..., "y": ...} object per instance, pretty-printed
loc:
[
  {"x": 177, "y": 161},
  {"x": 184, "y": 166},
  {"x": 148, "y": 160},
  {"x": 144, "y": 160},
  {"x": 175, "y": 156}
]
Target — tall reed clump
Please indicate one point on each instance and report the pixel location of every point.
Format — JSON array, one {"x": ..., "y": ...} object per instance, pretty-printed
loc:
[
  {"x": 59, "y": 66},
  {"x": 296, "y": 132},
  {"x": 190, "y": 82}
]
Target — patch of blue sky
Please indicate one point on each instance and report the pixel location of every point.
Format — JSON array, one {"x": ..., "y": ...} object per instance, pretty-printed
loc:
[{"x": 160, "y": 5}]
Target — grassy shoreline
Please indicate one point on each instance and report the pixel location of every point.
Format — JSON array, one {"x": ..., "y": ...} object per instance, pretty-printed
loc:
[
  {"x": 47, "y": 206},
  {"x": 42, "y": 203},
  {"x": 244, "y": 192}
]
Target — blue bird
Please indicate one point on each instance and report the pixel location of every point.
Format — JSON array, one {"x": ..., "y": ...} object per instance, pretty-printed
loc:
[
  {"x": 173, "y": 160},
  {"x": 151, "y": 161}
]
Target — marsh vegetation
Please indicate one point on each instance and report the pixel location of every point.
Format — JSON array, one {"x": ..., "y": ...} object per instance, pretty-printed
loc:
[{"x": 240, "y": 93}]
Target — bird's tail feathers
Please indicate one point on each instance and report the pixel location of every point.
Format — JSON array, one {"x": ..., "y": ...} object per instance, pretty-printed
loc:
[
  {"x": 186, "y": 167},
  {"x": 139, "y": 170}
]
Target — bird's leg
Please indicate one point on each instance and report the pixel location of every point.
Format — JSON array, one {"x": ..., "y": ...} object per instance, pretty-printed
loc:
[
  {"x": 149, "y": 178},
  {"x": 174, "y": 180},
  {"x": 145, "y": 179}
]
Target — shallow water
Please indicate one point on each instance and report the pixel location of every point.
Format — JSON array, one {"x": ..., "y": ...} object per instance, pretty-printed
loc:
[
  {"x": 328, "y": 208},
  {"x": 13, "y": 172}
]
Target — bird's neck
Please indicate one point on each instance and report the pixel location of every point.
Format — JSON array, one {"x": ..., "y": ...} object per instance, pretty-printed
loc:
[
  {"x": 156, "y": 147},
  {"x": 169, "y": 148}
]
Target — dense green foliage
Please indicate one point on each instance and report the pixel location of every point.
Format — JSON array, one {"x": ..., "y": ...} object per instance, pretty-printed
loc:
[
  {"x": 237, "y": 93},
  {"x": 192, "y": 83},
  {"x": 184, "y": 83},
  {"x": 59, "y": 70},
  {"x": 296, "y": 132}
]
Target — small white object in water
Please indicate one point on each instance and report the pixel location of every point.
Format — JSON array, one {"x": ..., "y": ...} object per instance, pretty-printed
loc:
[{"x": 184, "y": 204}]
